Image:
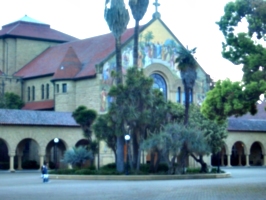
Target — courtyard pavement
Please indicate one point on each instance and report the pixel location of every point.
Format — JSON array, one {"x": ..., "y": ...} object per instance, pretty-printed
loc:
[{"x": 245, "y": 183}]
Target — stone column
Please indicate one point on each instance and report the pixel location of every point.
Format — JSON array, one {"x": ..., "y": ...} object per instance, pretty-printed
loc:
[
  {"x": 41, "y": 161},
  {"x": 264, "y": 160},
  {"x": 11, "y": 162},
  {"x": 239, "y": 160},
  {"x": 222, "y": 159},
  {"x": 20, "y": 161},
  {"x": 229, "y": 160},
  {"x": 247, "y": 160}
]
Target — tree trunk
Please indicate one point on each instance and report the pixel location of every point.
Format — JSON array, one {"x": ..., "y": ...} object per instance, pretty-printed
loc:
[
  {"x": 136, "y": 44},
  {"x": 152, "y": 169},
  {"x": 204, "y": 167},
  {"x": 119, "y": 73},
  {"x": 186, "y": 104},
  {"x": 120, "y": 154}
]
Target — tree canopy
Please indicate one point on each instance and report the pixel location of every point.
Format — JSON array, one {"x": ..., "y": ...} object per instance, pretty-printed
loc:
[
  {"x": 11, "y": 101},
  {"x": 246, "y": 48}
]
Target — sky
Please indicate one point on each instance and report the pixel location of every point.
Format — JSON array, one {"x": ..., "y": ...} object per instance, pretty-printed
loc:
[{"x": 191, "y": 21}]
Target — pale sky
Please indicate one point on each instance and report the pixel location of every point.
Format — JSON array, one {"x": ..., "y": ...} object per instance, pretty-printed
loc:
[{"x": 192, "y": 22}]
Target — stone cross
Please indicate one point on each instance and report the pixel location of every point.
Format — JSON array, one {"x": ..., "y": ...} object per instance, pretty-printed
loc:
[{"x": 156, "y": 4}]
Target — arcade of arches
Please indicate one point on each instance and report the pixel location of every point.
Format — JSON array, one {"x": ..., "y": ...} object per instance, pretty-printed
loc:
[{"x": 28, "y": 145}]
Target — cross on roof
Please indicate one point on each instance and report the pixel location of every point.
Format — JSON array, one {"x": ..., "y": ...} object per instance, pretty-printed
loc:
[{"x": 156, "y": 4}]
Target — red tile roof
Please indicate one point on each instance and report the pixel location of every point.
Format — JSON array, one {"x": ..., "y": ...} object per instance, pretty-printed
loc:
[
  {"x": 90, "y": 52},
  {"x": 39, "y": 105},
  {"x": 69, "y": 67},
  {"x": 34, "y": 30}
]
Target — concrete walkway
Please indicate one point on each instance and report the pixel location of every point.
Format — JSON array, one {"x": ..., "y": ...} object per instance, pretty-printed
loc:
[{"x": 245, "y": 183}]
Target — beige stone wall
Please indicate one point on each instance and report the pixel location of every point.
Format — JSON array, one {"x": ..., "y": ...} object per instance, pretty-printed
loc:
[
  {"x": 37, "y": 83},
  {"x": 88, "y": 93},
  {"x": 17, "y": 52},
  {"x": 65, "y": 101},
  {"x": 10, "y": 84}
]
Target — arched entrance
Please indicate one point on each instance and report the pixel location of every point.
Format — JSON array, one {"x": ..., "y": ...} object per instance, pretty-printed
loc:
[
  {"x": 54, "y": 153},
  {"x": 27, "y": 154},
  {"x": 4, "y": 158},
  {"x": 238, "y": 157},
  {"x": 256, "y": 154}
]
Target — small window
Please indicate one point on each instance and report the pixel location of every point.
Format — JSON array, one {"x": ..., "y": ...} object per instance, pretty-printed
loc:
[
  {"x": 33, "y": 93},
  {"x": 47, "y": 91},
  {"x": 57, "y": 88},
  {"x": 64, "y": 88},
  {"x": 28, "y": 93},
  {"x": 42, "y": 91}
]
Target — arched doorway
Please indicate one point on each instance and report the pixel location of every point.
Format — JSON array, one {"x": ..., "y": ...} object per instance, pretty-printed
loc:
[
  {"x": 256, "y": 156},
  {"x": 55, "y": 152},
  {"x": 27, "y": 154},
  {"x": 238, "y": 157},
  {"x": 159, "y": 83},
  {"x": 219, "y": 159},
  {"x": 4, "y": 158}
]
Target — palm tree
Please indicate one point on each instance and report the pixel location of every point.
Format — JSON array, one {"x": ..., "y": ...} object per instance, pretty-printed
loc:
[
  {"x": 117, "y": 18},
  {"x": 187, "y": 66},
  {"x": 138, "y": 9}
]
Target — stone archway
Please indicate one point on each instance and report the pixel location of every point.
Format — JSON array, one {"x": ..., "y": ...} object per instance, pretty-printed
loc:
[
  {"x": 238, "y": 154},
  {"x": 4, "y": 158},
  {"x": 27, "y": 154},
  {"x": 256, "y": 154},
  {"x": 55, "y": 153}
]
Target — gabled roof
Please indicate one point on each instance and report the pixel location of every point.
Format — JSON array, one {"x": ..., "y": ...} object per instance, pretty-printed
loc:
[
  {"x": 249, "y": 122},
  {"x": 27, "y": 27},
  {"x": 90, "y": 52},
  {"x": 69, "y": 67},
  {"x": 39, "y": 105},
  {"x": 36, "y": 118}
]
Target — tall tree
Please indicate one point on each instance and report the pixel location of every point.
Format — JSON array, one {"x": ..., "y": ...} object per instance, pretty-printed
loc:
[
  {"x": 104, "y": 129},
  {"x": 117, "y": 18},
  {"x": 138, "y": 9},
  {"x": 85, "y": 117},
  {"x": 246, "y": 48},
  {"x": 187, "y": 66}
]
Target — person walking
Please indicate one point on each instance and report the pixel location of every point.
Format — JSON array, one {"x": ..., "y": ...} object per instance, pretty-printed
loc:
[{"x": 45, "y": 174}]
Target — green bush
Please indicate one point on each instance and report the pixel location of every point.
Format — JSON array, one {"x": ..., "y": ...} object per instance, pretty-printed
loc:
[
  {"x": 193, "y": 170},
  {"x": 109, "y": 166}
]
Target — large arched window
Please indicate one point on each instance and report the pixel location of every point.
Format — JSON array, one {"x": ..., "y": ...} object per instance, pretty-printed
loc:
[{"x": 159, "y": 83}]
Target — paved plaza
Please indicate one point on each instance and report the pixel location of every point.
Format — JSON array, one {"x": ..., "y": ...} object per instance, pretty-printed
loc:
[{"x": 245, "y": 183}]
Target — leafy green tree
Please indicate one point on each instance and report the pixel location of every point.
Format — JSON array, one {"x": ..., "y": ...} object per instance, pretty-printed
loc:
[
  {"x": 214, "y": 134},
  {"x": 104, "y": 129},
  {"x": 77, "y": 156},
  {"x": 246, "y": 48},
  {"x": 229, "y": 98},
  {"x": 85, "y": 117},
  {"x": 138, "y": 9},
  {"x": 117, "y": 18},
  {"x": 11, "y": 101}
]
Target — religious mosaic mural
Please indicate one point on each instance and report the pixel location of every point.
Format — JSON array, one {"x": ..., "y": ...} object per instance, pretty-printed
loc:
[{"x": 156, "y": 45}]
